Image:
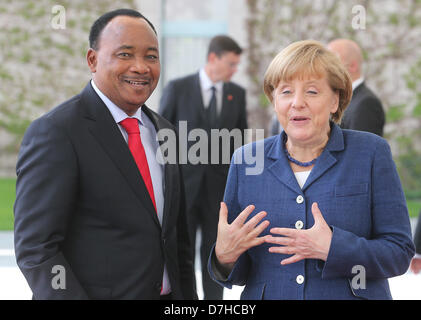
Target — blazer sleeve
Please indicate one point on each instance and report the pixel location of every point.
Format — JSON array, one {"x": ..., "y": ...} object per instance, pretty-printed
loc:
[
  {"x": 238, "y": 275},
  {"x": 388, "y": 251},
  {"x": 168, "y": 103},
  {"x": 46, "y": 190}
]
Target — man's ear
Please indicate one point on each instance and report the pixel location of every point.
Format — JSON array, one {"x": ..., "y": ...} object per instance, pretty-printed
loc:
[
  {"x": 212, "y": 57},
  {"x": 91, "y": 58}
]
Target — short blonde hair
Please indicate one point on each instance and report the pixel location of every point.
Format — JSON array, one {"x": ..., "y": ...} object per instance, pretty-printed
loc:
[{"x": 305, "y": 59}]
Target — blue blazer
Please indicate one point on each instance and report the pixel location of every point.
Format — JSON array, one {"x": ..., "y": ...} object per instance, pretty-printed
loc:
[{"x": 359, "y": 193}]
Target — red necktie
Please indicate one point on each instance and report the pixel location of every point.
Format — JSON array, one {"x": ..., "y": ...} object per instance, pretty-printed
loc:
[{"x": 136, "y": 148}]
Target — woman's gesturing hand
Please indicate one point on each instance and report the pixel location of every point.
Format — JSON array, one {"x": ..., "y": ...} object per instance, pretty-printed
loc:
[
  {"x": 313, "y": 243},
  {"x": 235, "y": 238}
]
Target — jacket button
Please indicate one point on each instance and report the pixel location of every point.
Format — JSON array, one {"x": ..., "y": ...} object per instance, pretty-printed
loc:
[
  {"x": 299, "y": 279},
  {"x": 299, "y": 224},
  {"x": 300, "y": 199}
]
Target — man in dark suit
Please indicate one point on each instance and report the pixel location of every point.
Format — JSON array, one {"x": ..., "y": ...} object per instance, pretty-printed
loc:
[
  {"x": 208, "y": 100},
  {"x": 96, "y": 216},
  {"x": 365, "y": 111},
  {"x": 416, "y": 260}
]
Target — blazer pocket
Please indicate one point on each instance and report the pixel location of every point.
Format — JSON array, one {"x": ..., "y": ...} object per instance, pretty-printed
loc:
[{"x": 351, "y": 190}]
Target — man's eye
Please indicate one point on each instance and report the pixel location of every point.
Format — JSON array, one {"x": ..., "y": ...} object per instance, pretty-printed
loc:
[
  {"x": 124, "y": 54},
  {"x": 152, "y": 57}
]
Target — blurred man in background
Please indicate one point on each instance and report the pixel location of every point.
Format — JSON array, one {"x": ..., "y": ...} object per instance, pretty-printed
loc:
[
  {"x": 416, "y": 261},
  {"x": 365, "y": 111},
  {"x": 207, "y": 100}
]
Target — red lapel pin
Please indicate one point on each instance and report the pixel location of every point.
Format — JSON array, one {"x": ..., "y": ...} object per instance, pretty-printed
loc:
[{"x": 229, "y": 97}]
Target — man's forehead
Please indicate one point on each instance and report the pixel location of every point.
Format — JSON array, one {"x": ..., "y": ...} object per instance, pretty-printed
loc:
[
  {"x": 125, "y": 25},
  {"x": 129, "y": 32}
]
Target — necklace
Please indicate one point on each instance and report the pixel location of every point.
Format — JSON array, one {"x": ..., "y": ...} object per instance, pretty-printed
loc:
[{"x": 299, "y": 163}]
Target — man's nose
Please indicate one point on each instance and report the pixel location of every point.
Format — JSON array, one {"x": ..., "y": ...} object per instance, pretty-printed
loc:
[{"x": 139, "y": 66}]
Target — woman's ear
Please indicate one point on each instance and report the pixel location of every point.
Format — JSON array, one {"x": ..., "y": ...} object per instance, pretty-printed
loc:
[{"x": 335, "y": 102}]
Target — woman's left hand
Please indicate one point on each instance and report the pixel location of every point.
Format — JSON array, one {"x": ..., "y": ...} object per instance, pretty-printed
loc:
[{"x": 313, "y": 243}]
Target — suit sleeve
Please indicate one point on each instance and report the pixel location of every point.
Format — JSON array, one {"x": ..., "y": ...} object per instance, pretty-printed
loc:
[
  {"x": 168, "y": 105},
  {"x": 388, "y": 251},
  {"x": 369, "y": 116},
  {"x": 46, "y": 190},
  {"x": 186, "y": 261}
]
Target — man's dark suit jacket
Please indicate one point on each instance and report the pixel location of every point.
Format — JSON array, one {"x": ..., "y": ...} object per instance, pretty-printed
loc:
[
  {"x": 82, "y": 204},
  {"x": 182, "y": 101},
  {"x": 365, "y": 112},
  {"x": 417, "y": 235}
]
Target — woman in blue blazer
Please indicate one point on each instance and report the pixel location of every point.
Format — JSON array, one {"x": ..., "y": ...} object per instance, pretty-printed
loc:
[{"x": 333, "y": 198}]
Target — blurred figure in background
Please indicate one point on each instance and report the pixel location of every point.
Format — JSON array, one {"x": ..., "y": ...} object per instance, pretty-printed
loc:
[
  {"x": 365, "y": 111},
  {"x": 416, "y": 261},
  {"x": 207, "y": 100}
]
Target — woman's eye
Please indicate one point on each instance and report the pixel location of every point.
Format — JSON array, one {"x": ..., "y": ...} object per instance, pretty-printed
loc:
[
  {"x": 286, "y": 92},
  {"x": 312, "y": 92}
]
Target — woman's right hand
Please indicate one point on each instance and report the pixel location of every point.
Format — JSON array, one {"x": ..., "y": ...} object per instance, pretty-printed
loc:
[{"x": 236, "y": 238}]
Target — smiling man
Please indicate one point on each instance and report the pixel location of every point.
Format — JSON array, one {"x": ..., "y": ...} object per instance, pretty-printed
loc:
[{"x": 96, "y": 216}]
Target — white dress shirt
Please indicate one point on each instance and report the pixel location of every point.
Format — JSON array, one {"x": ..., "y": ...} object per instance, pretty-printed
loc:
[
  {"x": 357, "y": 82},
  {"x": 151, "y": 146},
  {"x": 206, "y": 85},
  {"x": 302, "y": 177}
]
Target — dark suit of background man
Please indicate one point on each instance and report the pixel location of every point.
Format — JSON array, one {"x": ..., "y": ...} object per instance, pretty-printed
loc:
[
  {"x": 365, "y": 111},
  {"x": 416, "y": 261},
  {"x": 206, "y": 100},
  {"x": 92, "y": 201}
]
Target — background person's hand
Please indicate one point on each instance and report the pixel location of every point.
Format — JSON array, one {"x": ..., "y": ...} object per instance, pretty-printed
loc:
[
  {"x": 235, "y": 238},
  {"x": 313, "y": 243},
  {"x": 415, "y": 265}
]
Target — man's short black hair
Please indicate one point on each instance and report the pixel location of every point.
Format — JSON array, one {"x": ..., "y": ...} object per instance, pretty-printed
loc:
[
  {"x": 222, "y": 44},
  {"x": 103, "y": 20}
]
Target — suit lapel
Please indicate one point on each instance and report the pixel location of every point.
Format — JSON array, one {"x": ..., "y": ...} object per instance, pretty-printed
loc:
[
  {"x": 103, "y": 127},
  {"x": 327, "y": 158},
  {"x": 280, "y": 168},
  {"x": 197, "y": 99},
  {"x": 279, "y": 165},
  {"x": 168, "y": 168}
]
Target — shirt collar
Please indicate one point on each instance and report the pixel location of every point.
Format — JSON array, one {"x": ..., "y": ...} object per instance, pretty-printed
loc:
[
  {"x": 206, "y": 83},
  {"x": 357, "y": 82},
  {"x": 117, "y": 113}
]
